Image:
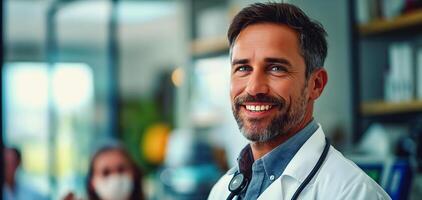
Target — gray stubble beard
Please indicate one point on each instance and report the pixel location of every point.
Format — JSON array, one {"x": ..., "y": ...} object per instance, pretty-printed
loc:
[{"x": 280, "y": 125}]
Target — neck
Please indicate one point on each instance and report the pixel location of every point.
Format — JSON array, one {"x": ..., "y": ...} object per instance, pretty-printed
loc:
[{"x": 260, "y": 149}]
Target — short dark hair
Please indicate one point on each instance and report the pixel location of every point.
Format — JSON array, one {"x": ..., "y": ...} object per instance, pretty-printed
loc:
[{"x": 313, "y": 45}]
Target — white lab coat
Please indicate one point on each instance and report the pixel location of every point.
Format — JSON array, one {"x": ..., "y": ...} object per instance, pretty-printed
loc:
[{"x": 338, "y": 177}]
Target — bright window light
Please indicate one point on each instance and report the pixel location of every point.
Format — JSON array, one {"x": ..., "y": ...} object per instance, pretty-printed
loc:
[
  {"x": 72, "y": 86},
  {"x": 29, "y": 83}
]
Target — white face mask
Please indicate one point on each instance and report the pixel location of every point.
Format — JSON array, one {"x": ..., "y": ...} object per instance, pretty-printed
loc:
[{"x": 114, "y": 187}]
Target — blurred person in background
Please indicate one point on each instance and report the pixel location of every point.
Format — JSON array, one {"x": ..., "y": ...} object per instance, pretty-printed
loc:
[
  {"x": 13, "y": 189},
  {"x": 113, "y": 175},
  {"x": 277, "y": 56}
]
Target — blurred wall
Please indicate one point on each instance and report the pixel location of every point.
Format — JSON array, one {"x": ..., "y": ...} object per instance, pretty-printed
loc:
[{"x": 24, "y": 39}]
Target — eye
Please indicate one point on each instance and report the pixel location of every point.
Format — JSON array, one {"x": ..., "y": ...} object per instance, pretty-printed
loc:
[
  {"x": 243, "y": 68},
  {"x": 105, "y": 172},
  {"x": 278, "y": 68},
  {"x": 121, "y": 169}
]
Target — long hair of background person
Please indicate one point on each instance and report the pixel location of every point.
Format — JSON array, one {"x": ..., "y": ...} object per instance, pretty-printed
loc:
[{"x": 137, "y": 193}]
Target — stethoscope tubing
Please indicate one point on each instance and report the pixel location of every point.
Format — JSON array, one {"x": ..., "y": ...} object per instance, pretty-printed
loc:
[{"x": 314, "y": 170}]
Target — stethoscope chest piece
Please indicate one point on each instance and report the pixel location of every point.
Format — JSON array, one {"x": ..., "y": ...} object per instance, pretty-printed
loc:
[{"x": 238, "y": 183}]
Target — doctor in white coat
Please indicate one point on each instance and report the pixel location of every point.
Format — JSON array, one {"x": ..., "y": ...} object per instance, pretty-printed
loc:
[{"x": 277, "y": 56}]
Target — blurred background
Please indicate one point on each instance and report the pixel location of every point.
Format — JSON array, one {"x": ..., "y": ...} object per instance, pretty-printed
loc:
[{"x": 153, "y": 75}]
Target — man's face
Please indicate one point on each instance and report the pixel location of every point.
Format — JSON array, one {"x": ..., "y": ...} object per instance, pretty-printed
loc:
[{"x": 269, "y": 91}]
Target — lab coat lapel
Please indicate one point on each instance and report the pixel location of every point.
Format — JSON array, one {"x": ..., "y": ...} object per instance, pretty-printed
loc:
[
  {"x": 297, "y": 169},
  {"x": 307, "y": 156},
  {"x": 274, "y": 191}
]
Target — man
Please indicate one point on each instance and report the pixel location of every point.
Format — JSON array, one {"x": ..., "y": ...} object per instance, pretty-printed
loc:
[{"x": 277, "y": 57}]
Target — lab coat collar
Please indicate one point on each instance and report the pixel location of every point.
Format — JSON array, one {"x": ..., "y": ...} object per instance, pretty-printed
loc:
[
  {"x": 298, "y": 168},
  {"x": 306, "y": 158}
]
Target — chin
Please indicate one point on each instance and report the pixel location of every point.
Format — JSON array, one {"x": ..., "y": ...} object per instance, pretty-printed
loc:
[
  {"x": 259, "y": 137},
  {"x": 254, "y": 133},
  {"x": 252, "y": 127}
]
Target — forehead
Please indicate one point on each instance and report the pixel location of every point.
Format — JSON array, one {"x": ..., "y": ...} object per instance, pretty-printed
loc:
[
  {"x": 267, "y": 39},
  {"x": 109, "y": 159}
]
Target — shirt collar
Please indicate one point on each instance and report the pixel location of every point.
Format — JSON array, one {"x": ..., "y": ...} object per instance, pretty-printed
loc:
[
  {"x": 276, "y": 160},
  {"x": 279, "y": 157},
  {"x": 245, "y": 161}
]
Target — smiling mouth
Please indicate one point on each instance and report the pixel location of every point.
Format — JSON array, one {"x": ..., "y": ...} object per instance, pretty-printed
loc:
[{"x": 258, "y": 108}]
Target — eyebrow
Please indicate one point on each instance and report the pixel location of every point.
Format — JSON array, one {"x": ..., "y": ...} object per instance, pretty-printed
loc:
[
  {"x": 278, "y": 60},
  {"x": 240, "y": 61},
  {"x": 268, "y": 60}
]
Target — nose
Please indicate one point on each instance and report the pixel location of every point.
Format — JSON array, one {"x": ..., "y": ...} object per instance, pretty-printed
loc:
[{"x": 257, "y": 84}]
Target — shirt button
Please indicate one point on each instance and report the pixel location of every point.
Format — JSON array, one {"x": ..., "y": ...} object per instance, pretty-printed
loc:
[{"x": 272, "y": 177}]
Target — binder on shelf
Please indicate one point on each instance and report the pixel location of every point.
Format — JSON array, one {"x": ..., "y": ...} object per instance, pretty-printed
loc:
[
  {"x": 363, "y": 11},
  {"x": 419, "y": 74},
  {"x": 407, "y": 72},
  {"x": 391, "y": 8},
  {"x": 399, "y": 81}
]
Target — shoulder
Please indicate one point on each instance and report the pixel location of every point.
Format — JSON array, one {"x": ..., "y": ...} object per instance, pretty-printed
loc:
[
  {"x": 345, "y": 177},
  {"x": 337, "y": 164}
]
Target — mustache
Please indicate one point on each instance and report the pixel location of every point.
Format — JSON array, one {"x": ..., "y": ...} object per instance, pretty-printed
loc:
[{"x": 260, "y": 98}]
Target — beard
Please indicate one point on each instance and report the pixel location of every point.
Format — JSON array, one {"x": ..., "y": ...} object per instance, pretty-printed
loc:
[{"x": 288, "y": 116}]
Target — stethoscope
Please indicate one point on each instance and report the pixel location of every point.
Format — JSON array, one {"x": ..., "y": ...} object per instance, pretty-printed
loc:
[{"x": 239, "y": 182}]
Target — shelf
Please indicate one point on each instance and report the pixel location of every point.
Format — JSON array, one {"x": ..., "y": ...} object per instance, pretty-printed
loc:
[
  {"x": 209, "y": 46},
  {"x": 388, "y": 108},
  {"x": 379, "y": 26}
]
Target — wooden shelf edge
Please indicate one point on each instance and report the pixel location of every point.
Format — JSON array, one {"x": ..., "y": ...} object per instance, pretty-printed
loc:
[
  {"x": 209, "y": 45},
  {"x": 381, "y": 26},
  {"x": 385, "y": 108}
]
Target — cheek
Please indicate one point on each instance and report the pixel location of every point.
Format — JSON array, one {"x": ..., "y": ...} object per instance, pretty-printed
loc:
[
  {"x": 130, "y": 173},
  {"x": 132, "y": 176},
  {"x": 236, "y": 87},
  {"x": 94, "y": 181},
  {"x": 283, "y": 88}
]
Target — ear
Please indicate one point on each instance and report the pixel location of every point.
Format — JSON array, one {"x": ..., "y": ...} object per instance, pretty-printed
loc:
[{"x": 316, "y": 83}]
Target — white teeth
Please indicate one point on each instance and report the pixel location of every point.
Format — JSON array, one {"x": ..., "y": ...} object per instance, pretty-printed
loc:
[{"x": 258, "y": 108}]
